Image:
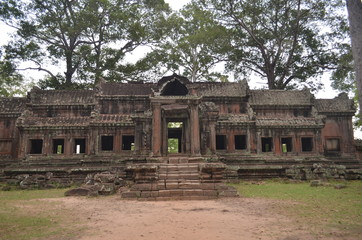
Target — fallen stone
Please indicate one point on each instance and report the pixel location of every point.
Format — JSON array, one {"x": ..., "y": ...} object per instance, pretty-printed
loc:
[
  {"x": 316, "y": 183},
  {"x": 340, "y": 186},
  {"x": 85, "y": 190}
]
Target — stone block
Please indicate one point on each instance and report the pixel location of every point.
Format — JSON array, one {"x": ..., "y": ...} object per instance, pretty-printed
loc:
[
  {"x": 161, "y": 186},
  {"x": 186, "y": 185},
  {"x": 228, "y": 193},
  {"x": 176, "y": 192},
  {"x": 146, "y": 194},
  {"x": 193, "y": 192},
  {"x": 210, "y": 193},
  {"x": 172, "y": 186},
  {"x": 208, "y": 186},
  {"x": 142, "y": 187},
  {"x": 105, "y": 177},
  {"x": 164, "y": 193},
  {"x": 131, "y": 194}
]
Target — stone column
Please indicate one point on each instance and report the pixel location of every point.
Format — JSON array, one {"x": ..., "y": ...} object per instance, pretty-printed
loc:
[
  {"x": 212, "y": 137},
  {"x": 138, "y": 136},
  {"x": 156, "y": 130},
  {"x": 230, "y": 142},
  {"x": 68, "y": 145},
  {"x": 195, "y": 130},
  {"x": 47, "y": 144},
  {"x": 258, "y": 142},
  {"x": 249, "y": 139}
]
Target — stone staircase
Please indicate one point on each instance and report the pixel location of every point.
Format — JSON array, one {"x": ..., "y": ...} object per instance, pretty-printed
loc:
[{"x": 178, "y": 181}]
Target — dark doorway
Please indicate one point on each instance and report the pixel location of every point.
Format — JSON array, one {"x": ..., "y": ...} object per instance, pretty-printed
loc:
[
  {"x": 58, "y": 146},
  {"x": 307, "y": 144},
  {"x": 79, "y": 145},
  {"x": 266, "y": 144},
  {"x": 36, "y": 146},
  {"x": 220, "y": 142},
  {"x": 174, "y": 88},
  {"x": 287, "y": 145},
  {"x": 128, "y": 142},
  {"x": 240, "y": 142},
  {"x": 107, "y": 143},
  {"x": 174, "y": 137}
]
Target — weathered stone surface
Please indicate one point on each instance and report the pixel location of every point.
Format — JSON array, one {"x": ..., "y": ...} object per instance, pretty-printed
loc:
[
  {"x": 85, "y": 190},
  {"x": 316, "y": 183},
  {"x": 317, "y": 171},
  {"x": 340, "y": 186}
]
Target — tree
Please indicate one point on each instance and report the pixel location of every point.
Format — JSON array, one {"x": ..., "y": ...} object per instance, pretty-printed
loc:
[
  {"x": 89, "y": 38},
  {"x": 354, "y": 8},
  {"x": 10, "y": 81},
  {"x": 195, "y": 44},
  {"x": 286, "y": 42}
]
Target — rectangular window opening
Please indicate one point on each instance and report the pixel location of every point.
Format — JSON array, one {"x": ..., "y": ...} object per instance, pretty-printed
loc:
[
  {"x": 332, "y": 144},
  {"x": 128, "y": 142},
  {"x": 267, "y": 144},
  {"x": 307, "y": 144},
  {"x": 287, "y": 145},
  {"x": 107, "y": 143},
  {"x": 36, "y": 146},
  {"x": 220, "y": 142},
  {"x": 58, "y": 146},
  {"x": 240, "y": 142},
  {"x": 79, "y": 145}
]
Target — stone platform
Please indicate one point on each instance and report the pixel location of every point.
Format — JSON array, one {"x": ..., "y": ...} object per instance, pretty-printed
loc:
[{"x": 178, "y": 181}]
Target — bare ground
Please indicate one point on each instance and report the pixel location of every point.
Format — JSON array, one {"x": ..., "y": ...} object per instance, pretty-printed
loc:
[{"x": 111, "y": 218}]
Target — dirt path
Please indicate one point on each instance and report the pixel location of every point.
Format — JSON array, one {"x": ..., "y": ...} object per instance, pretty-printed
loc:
[{"x": 111, "y": 218}]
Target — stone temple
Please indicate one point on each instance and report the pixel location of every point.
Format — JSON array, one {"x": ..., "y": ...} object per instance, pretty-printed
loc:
[{"x": 136, "y": 129}]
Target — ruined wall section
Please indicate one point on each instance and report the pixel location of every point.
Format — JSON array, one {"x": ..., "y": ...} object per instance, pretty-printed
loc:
[
  {"x": 10, "y": 110},
  {"x": 337, "y": 133}
]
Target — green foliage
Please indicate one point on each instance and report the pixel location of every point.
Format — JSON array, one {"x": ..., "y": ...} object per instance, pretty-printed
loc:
[
  {"x": 10, "y": 81},
  {"x": 86, "y": 39},
  {"x": 287, "y": 43},
  {"x": 195, "y": 44},
  {"x": 172, "y": 145}
]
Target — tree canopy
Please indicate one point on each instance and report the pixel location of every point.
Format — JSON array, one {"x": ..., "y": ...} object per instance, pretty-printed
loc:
[
  {"x": 286, "y": 42},
  {"x": 86, "y": 38},
  {"x": 194, "y": 45}
]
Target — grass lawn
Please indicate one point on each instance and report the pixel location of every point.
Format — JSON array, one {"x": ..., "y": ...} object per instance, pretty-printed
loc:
[
  {"x": 23, "y": 215},
  {"x": 322, "y": 206}
]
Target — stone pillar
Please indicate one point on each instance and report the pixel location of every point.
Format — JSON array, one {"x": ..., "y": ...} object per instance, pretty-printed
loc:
[
  {"x": 212, "y": 138},
  {"x": 249, "y": 139},
  {"x": 195, "y": 130},
  {"x": 47, "y": 144},
  {"x": 68, "y": 145},
  {"x": 258, "y": 142},
  {"x": 156, "y": 130},
  {"x": 117, "y": 141},
  {"x": 230, "y": 142},
  {"x": 138, "y": 136}
]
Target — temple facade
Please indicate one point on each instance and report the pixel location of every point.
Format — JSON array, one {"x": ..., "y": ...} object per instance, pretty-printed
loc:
[{"x": 146, "y": 122}]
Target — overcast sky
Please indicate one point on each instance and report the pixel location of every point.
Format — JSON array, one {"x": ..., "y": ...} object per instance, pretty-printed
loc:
[{"x": 177, "y": 4}]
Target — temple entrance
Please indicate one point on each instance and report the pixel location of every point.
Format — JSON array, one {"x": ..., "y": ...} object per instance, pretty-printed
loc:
[{"x": 175, "y": 137}]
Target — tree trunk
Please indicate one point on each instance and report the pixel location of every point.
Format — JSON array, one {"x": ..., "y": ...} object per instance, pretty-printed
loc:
[{"x": 354, "y": 8}]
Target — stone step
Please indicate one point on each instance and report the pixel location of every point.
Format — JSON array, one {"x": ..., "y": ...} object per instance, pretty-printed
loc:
[
  {"x": 177, "y": 176},
  {"x": 179, "y": 168},
  {"x": 179, "y": 193}
]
